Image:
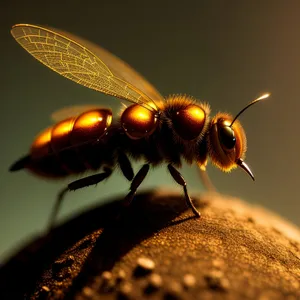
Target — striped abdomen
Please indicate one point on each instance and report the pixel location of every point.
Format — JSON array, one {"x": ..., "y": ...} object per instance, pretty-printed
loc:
[{"x": 65, "y": 148}]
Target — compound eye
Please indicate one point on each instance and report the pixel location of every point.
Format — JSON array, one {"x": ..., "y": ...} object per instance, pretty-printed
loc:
[
  {"x": 227, "y": 137},
  {"x": 227, "y": 142},
  {"x": 189, "y": 122},
  {"x": 138, "y": 122}
]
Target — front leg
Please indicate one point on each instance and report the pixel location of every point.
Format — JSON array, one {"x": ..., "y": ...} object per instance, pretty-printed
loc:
[{"x": 180, "y": 180}]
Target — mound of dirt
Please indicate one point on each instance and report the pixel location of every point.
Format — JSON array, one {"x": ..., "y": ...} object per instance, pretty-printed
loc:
[{"x": 157, "y": 249}]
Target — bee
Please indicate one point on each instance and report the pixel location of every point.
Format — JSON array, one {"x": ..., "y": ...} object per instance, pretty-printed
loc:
[{"x": 152, "y": 128}]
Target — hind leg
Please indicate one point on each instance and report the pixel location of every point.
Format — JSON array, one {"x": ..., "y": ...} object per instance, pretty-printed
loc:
[{"x": 75, "y": 185}]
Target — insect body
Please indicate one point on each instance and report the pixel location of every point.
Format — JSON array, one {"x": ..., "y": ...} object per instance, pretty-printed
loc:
[{"x": 154, "y": 129}]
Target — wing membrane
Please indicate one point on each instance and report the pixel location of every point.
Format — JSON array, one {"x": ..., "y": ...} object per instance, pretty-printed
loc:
[{"x": 86, "y": 64}]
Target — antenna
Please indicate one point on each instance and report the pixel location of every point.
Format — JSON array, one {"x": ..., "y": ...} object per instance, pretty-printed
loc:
[{"x": 264, "y": 96}]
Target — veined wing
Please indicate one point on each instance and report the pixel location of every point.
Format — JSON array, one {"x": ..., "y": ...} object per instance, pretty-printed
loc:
[{"x": 86, "y": 64}]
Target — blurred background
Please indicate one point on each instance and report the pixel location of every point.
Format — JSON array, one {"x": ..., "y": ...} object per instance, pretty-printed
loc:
[{"x": 223, "y": 52}]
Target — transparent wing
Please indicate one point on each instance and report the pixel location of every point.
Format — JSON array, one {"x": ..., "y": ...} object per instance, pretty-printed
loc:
[
  {"x": 86, "y": 64},
  {"x": 71, "y": 111}
]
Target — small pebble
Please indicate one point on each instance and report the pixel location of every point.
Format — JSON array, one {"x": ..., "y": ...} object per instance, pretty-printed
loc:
[
  {"x": 155, "y": 280},
  {"x": 146, "y": 263},
  {"x": 88, "y": 292},
  {"x": 155, "y": 283},
  {"x": 218, "y": 263},
  {"x": 189, "y": 281},
  {"x": 106, "y": 276},
  {"x": 121, "y": 275},
  {"x": 217, "y": 281},
  {"x": 144, "y": 266},
  {"x": 107, "y": 284},
  {"x": 125, "y": 290}
]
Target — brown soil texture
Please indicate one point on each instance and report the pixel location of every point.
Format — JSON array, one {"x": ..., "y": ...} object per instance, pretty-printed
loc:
[{"x": 157, "y": 249}]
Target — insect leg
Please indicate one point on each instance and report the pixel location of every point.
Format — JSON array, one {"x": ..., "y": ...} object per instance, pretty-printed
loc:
[
  {"x": 125, "y": 166},
  {"x": 136, "y": 182},
  {"x": 180, "y": 180},
  {"x": 75, "y": 185}
]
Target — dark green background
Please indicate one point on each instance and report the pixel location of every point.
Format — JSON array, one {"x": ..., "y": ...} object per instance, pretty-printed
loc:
[{"x": 223, "y": 52}]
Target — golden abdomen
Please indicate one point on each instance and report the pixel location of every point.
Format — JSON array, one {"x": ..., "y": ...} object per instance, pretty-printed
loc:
[{"x": 62, "y": 149}]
